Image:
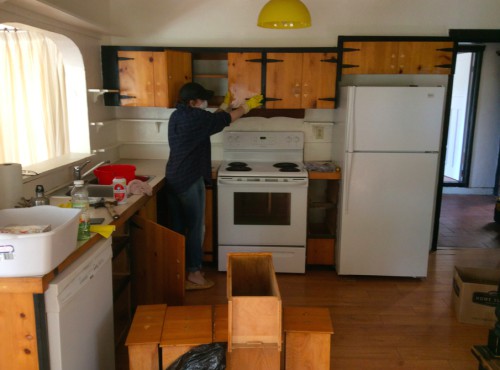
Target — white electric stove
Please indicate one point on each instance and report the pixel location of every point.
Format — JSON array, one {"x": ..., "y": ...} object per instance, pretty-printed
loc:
[{"x": 262, "y": 197}]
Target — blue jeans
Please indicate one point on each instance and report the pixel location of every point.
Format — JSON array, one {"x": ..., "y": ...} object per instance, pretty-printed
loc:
[{"x": 187, "y": 217}]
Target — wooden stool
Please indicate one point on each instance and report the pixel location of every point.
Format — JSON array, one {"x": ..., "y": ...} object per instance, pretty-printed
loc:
[
  {"x": 220, "y": 323},
  {"x": 184, "y": 327},
  {"x": 308, "y": 333},
  {"x": 144, "y": 337}
]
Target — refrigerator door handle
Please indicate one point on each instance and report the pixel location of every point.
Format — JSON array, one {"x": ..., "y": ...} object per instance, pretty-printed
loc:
[
  {"x": 347, "y": 185},
  {"x": 350, "y": 119}
]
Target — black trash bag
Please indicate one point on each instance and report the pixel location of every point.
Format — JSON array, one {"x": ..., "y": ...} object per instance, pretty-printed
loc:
[{"x": 205, "y": 357}]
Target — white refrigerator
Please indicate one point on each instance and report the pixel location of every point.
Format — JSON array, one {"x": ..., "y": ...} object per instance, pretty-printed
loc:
[{"x": 387, "y": 140}]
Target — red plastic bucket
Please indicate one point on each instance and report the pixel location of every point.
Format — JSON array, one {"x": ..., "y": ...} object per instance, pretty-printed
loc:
[{"x": 106, "y": 174}]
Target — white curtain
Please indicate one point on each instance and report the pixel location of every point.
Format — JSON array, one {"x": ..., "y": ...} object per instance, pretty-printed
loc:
[{"x": 33, "y": 107}]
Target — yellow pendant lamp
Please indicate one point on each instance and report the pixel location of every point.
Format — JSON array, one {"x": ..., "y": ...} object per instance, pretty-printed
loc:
[{"x": 284, "y": 14}]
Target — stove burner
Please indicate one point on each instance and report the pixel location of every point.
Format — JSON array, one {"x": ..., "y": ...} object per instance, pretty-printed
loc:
[
  {"x": 238, "y": 166},
  {"x": 289, "y": 169},
  {"x": 286, "y": 165}
]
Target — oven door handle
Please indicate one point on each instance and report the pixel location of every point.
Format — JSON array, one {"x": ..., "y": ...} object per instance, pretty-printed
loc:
[{"x": 301, "y": 182}]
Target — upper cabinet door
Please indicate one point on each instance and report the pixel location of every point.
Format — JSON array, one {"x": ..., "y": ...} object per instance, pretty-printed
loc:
[
  {"x": 179, "y": 71},
  {"x": 426, "y": 57},
  {"x": 284, "y": 81},
  {"x": 152, "y": 78},
  {"x": 319, "y": 71},
  {"x": 136, "y": 76},
  {"x": 393, "y": 57},
  {"x": 370, "y": 58},
  {"x": 245, "y": 73}
]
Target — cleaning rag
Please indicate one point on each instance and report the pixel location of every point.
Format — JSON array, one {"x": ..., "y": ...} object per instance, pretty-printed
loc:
[{"x": 139, "y": 187}]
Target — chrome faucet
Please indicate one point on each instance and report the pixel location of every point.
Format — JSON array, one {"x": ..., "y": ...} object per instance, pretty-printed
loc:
[{"x": 77, "y": 170}]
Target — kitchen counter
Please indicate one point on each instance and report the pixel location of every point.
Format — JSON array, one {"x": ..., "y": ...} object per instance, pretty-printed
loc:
[
  {"x": 21, "y": 299},
  {"x": 38, "y": 284}
]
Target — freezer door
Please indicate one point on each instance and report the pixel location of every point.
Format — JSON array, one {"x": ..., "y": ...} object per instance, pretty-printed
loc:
[
  {"x": 395, "y": 119},
  {"x": 387, "y": 210}
]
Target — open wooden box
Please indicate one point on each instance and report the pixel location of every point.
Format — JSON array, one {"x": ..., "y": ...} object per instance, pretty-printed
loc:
[{"x": 254, "y": 302}]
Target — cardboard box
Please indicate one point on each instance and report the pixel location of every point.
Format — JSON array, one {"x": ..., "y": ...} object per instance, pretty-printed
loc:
[{"x": 475, "y": 295}]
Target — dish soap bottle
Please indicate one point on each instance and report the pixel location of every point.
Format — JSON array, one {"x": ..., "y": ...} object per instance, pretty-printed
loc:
[
  {"x": 80, "y": 199},
  {"x": 40, "y": 198}
]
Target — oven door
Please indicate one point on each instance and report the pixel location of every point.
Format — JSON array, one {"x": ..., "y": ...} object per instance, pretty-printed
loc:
[{"x": 262, "y": 212}]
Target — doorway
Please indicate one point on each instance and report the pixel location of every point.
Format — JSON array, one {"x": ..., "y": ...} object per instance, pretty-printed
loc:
[
  {"x": 470, "y": 38},
  {"x": 462, "y": 115}
]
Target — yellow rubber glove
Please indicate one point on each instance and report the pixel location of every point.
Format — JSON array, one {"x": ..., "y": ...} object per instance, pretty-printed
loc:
[
  {"x": 226, "y": 104},
  {"x": 253, "y": 102}
]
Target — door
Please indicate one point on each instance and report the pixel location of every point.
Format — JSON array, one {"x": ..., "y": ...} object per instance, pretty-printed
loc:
[
  {"x": 266, "y": 214},
  {"x": 387, "y": 214},
  {"x": 284, "y": 81},
  {"x": 456, "y": 128},
  {"x": 244, "y": 75},
  {"x": 399, "y": 119},
  {"x": 319, "y": 72},
  {"x": 158, "y": 263}
]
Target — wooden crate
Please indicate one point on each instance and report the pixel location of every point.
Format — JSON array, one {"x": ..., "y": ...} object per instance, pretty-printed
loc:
[
  {"x": 184, "y": 327},
  {"x": 144, "y": 337},
  {"x": 308, "y": 332},
  {"x": 254, "y": 302},
  {"x": 261, "y": 358}
]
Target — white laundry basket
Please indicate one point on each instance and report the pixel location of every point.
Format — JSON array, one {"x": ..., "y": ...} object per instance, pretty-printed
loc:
[{"x": 39, "y": 253}]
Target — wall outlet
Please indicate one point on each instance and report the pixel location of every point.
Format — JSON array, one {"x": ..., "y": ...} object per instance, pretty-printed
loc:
[{"x": 319, "y": 132}]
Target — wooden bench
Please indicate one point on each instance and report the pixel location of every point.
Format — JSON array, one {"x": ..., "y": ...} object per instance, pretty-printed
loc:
[
  {"x": 144, "y": 337},
  {"x": 308, "y": 332}
]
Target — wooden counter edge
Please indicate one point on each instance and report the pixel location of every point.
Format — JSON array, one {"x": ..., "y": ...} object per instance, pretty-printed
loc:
[{"x": 315, "y": 175}]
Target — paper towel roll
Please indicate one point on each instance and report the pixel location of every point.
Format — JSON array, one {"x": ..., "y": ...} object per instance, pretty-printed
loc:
[{"x": 11, "y": 184}]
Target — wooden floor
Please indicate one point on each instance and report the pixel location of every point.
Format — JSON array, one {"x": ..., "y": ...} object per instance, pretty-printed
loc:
[
  {"x": 388, "y": 323},
  {"x": 467, "y": 222}
]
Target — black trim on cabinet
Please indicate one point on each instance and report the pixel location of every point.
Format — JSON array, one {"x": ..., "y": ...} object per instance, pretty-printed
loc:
[
  {"x": 475, "y": 35},
  {"x": 42, "y": 333}
]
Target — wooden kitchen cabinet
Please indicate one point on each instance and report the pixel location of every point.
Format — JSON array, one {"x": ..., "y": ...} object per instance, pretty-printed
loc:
[
  {"x": 245, "y": 72},
  {"x": 293, "y": 80},
  {"x": 122, "y": 303},
  {"x": 397, "y": 57},
  {"x": 300, "y": 80},
  {"x": 322, "y": 217},
  {"x": 150, "y": 78},
  {"x": 208, "y": 242},
  {"x": 158, "y": 263}
]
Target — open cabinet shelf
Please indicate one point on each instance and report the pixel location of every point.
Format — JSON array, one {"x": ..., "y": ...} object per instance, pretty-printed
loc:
[{"x": 322, "y": 217}]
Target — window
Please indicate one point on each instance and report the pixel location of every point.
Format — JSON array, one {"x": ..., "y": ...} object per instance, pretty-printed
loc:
[{"x": 43, "y": 105}]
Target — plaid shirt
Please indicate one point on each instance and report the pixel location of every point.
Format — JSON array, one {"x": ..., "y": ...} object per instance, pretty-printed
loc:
[{"x": 189, "y": 132}]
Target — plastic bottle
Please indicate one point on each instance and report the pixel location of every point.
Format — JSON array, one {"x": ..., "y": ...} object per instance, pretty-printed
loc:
[
  {"x": 40, "y": 198},
  {"x": 80, "y": 199}
]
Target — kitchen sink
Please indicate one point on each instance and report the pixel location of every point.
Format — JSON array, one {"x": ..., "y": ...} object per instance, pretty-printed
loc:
[{"x": 97, "y": 190}]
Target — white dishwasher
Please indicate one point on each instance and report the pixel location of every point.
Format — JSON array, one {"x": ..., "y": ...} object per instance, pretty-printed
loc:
[{"x": 79, "y": 307}]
